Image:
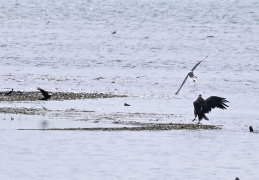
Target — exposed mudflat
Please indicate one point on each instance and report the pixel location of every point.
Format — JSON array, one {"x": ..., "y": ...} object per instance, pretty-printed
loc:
[
  {"x": 127, "y": 119},
  {"x": 36, "y": 95},
  {"x": 140, "y": 127}
]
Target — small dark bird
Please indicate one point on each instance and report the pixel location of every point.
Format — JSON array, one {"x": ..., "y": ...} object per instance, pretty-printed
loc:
[
  {"x": 125, "y": 104},
  {"x": 237, "y": 178},
  {"x": 9, "y": 93},
  {"x": 251, "y": 129},
  {"x": 190, "y": 74},
  {"x": 44, "y": 93},
  {"x": 201, "y": 106},
  {"x": 114, "y": 32}
]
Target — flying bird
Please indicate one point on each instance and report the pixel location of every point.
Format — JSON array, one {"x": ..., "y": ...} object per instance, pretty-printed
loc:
[
  {"x": 190, "y": 74},
  {"x": 44, "y": 93},
  {"x": 202, "y": 107}
]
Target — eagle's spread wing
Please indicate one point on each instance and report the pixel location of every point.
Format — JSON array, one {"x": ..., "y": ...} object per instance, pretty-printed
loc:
[
  {"x": 214, "y": 102},
  {"x": 198, "y": 63},
  {"x": 182, "y": 84},
  {"x": 43, "y": 92}
]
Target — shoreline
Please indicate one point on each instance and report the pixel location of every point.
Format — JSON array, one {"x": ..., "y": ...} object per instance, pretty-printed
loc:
[
  {"x": 137, "y": 126},
  {"x": 56, "y": 96},
  {"x": 115, "y": 118}
]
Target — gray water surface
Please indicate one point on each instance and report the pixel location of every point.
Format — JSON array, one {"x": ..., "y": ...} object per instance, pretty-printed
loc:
[{"x": 69, "y": 46}]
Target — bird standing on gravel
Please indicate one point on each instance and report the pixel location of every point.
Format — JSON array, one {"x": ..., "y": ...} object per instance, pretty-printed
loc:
[
  {"x": 9, "y": 93},
  {"x": 190, "y": 74},
  {"x": 44, "y": 93},
  {"x": 201, "y": 106}
]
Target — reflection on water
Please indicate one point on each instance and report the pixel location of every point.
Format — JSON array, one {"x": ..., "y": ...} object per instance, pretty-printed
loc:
[{"x": 44, "y": 124}]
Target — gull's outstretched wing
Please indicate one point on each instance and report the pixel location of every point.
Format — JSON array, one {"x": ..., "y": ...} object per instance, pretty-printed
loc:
[
  {"x": 182, "y": 84},
  {"x": 198, "y": 63}
]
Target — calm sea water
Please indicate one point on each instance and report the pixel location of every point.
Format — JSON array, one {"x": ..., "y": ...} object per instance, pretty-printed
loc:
[{"x": 70, "y": 46}]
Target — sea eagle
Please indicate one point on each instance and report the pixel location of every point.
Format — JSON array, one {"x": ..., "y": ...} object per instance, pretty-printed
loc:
[
  {"x": 190, "y": 74},
  {"x": 201, "y": 106},
  {"x": 44, "y": 93}
]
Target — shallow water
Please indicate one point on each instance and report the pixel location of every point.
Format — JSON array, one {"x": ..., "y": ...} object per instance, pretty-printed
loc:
[
  {"x": 69, "y": 46},
  {"x": 129, "y": 155}
]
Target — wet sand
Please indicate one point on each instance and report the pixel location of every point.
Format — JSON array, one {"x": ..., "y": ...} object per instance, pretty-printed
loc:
[
  {"x": 115, "y": 118},
  {"x": 140, "y": 127}
]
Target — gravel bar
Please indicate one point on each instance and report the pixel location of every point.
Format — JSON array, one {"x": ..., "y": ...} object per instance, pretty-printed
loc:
[
  {"x": 36, "y": 95},
  {"x": 143, "y": 127}
]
